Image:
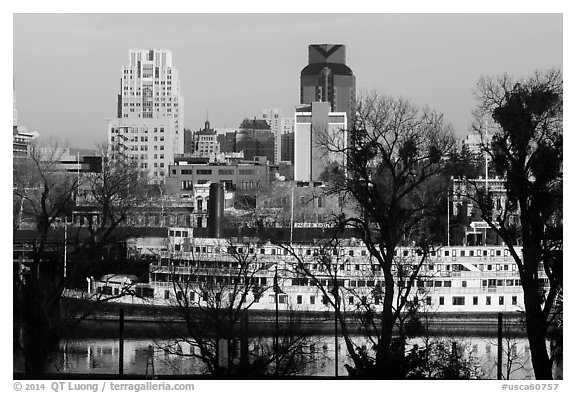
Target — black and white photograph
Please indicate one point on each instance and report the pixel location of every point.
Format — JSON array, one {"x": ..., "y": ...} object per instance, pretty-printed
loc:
[{"x": 260, "y": 195}]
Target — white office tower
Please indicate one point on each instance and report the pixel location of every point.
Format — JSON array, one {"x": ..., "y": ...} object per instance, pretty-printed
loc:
[
  {"x": 319, "y": 139},
  {"x": 274, "y": 117},
  {"x": 150, "y": 117}
]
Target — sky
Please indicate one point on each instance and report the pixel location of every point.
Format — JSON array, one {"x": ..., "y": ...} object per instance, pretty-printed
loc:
[{"x": 67, "y": 67}]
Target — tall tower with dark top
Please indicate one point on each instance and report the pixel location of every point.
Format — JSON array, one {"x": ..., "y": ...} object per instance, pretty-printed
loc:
[{"x": 327, "y": 78}]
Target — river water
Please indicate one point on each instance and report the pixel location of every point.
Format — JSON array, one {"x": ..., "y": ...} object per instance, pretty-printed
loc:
[{"x": 101, "y": 356}]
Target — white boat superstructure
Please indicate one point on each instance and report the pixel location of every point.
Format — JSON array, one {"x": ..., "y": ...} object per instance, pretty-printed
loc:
[{"x": 209, "y": 272}]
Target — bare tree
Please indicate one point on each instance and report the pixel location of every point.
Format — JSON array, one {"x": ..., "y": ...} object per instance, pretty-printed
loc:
[
  {"x": 213, "y": 298},
  {"x": 391, "y": 169},
  {"x": 47, "y": 194},
  {"x": 526, "y": 149}
]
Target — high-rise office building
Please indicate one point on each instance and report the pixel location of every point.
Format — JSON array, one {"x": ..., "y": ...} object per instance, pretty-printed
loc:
[
  {"x": 150, "y": 110},
  {"x": 327, "y": 78},
  {"x": 274, "y": 119},
  {"x": 318, "y": 133}
]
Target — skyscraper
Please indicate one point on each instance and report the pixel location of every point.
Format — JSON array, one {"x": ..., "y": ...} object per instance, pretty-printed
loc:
[
  {"x": 150, "y": 118},
  {"x": 314, "y": 125},
  {"x": 327, "y": 78}
]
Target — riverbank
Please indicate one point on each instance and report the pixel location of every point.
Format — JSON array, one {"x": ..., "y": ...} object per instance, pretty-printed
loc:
[{"x": 161, "y": 321}]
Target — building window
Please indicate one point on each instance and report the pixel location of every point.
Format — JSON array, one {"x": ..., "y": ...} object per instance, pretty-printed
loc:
[
  {"x": 458, "y": 300},
  {"x": 312, "y": 299},
  {"x": 299, "y": 299},
  {"x": 441, "y": 300},
  {"x": 501, "y": 300},
  {"x": 428, "y": 300},
  {"x": 514, "y": 300},
  {"x": 475, "y": 300},
  {"x": 488, "y": 300}
]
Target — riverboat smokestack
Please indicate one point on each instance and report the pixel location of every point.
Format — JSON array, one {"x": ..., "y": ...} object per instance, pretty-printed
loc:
[{"x": 215, "y": 210}]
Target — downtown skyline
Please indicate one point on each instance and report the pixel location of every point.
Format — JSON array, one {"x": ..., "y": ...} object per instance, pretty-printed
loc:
[{"x": 67, "y": 67}]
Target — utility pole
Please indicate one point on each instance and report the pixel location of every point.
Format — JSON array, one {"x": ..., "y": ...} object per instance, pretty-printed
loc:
[
  {"x": 499, "y": 371},
  {"x": 337, "y": 302},
  {"x": 121, "y": 349},
  {"x": 276, "y": 335}
]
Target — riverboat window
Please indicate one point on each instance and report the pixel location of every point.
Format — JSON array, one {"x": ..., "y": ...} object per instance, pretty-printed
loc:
[
  {"x": 517, "y": 282},
  {"x": 509, "y": 283},
  {"x": 299, "y": 299},
  {"x": 498, "y": 253},
  {"x": 505, "y": 267},
  {"x": 176, "y": 247},
  {"x": 363, "y": 253},
  {"x": 492, "y": 282},
  {"x": 308, "y": 252},
  {"x": 273, "y": 251},
  {"x": 166, "y": 294},
  {"x": 324, "y": 299},
  {"x": 458, "y": 300},
  {"x": 361, "y": 283},
  {"x": 475, "y": 300},
  {"x": 471, "y": 253},
  {"x": 171, "y": 233},
  {"x": 446, "y": 253},
  {"x": 429, "y": 284},
  {"x": 441, "y": 300},
  {"x": 489, "y": 267},
  {"x": 433, "y": 253},
  {"x": 488, "y": 300},
  {"x": 514, "y": 300},
  {"x": 485, "y": 253},
  {"x": 262, "y": 251},
  {"x": 500, "y": 283},
  {"x": 437, "y": 284},
  {"x": 428, "y": 300},
  {"x": 351, "y": 300},
  {"x": 447, "y": 284},
  {"x": 501, "y": 300},
  {"x": 462, "y": 253},
  {"x": 447, "y": 267},
  {"x": 431, "y": 266},
  {"x": 464, "y": 284},
  {"x": 356, "y": 267},
  {"x": 351, "y": 253},
  {"x": 312, "y": 299}
]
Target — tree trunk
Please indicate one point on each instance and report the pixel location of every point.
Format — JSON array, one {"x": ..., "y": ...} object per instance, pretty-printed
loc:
[{"x": 536, "y": 329}]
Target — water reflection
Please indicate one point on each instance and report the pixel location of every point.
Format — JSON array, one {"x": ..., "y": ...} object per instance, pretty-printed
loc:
[{"x": 100, "y": 356}]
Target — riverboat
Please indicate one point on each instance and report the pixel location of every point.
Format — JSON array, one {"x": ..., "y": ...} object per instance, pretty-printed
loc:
[{"x": 262, "y": 276}]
